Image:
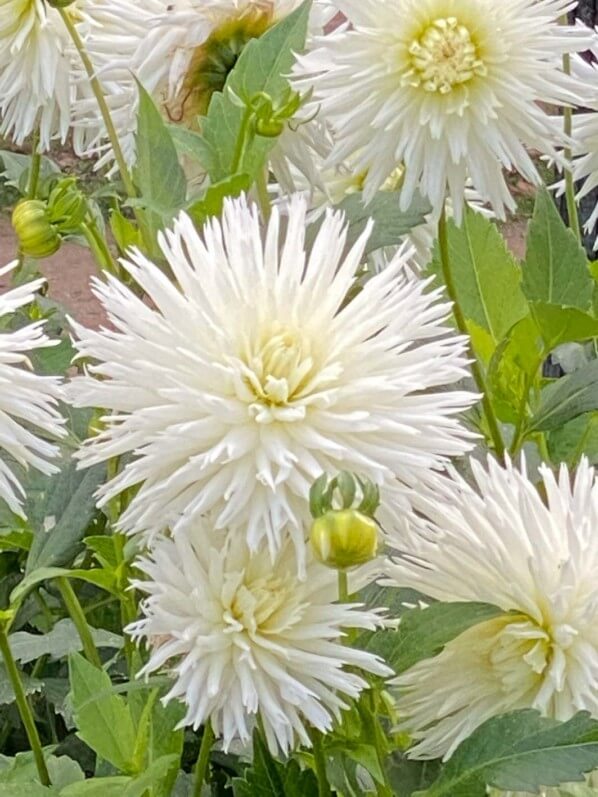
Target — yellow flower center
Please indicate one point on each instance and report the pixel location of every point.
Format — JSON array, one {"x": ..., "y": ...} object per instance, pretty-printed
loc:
[
  {"x": 530, "y": 659},
  {"x": 443, "y": 57},
  {"x": 276, "y": 369},
  {"x": 263, "y": 605}
]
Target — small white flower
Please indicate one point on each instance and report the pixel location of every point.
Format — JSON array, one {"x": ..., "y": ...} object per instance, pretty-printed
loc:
[
  {"x": 27, "y": 401},
  {"x": 502, "y": 544},
  {"x": 449, "y": 89},
  {"x": 251, "y": 375},
  {"x": 243, "y": 635}
]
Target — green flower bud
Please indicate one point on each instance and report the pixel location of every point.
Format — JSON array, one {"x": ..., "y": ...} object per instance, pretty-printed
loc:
[
  {"x": 344, "y": 538},
  {"x": 60, "y": 3},
  {"x": 38, "y": 237},
  {"x": 67, "y": 206}
]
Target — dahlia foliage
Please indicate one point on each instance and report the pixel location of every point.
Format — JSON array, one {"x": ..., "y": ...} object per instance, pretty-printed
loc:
[{"x": 310, "y": 508}]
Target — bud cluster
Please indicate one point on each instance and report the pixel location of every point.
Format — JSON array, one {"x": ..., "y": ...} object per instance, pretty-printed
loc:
[{"x": 40, "y": 224}]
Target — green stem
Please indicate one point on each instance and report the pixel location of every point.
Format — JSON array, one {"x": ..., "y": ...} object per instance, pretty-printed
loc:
[
  {"x": 96, "y": 87},
  {"x": 343, "y": 587},
  {"x": 569, "y": 184},
  {"x": 320, "y": 763},
  {"x": 261, "y": 185},
  {"x": 519, "y": 435},
  {"x": 77, "y": 615},
  {"x": 24, "y": 708},
  {"x": 36, "y": 164},
  {"x": 202, "y": 769},
  {"x": 99, "y": 247},
  {"x": 476, "y": 371},
  {"x": 243, "y": 140}
]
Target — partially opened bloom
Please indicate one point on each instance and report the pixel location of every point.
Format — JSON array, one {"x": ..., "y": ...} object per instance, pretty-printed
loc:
[
  {"x": 253, "y": 374},
  {"x": 447, "y": 88},
  {"x": 243, "y": 635},
  {"x": 536, "y": 560},
  {"x": 28, "y": 402},
  {"x": 181, "y": 54}
]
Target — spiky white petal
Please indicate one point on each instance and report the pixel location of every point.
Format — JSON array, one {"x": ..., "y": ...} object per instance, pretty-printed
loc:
[
  {"x": 536, "y": 560},
  {"x": 243, "y": 635},
  {"x": 251, "y": 375},
  {"x": 447, "y": 88},
  {"x": 28, "y": 402},
  {"x": 40, "y": 69}
]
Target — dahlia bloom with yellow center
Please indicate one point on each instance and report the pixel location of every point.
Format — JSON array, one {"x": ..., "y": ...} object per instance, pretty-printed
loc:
[
  {"x": 252, "y": 374},
  {"x": 536, "y": 560},
  {"x": 447, "y": 88},
  {"x": 243, "y": 636}
]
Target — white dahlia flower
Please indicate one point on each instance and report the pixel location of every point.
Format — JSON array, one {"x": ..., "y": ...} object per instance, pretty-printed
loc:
[
  {"x": 252, "y": 374},
  {"x": 182, "y": 54},
  {"x": 41, "y": 73},
  {"x": 449, "y": 89},
  {"x": 243, "y": 636},
  {"x": 503, "y": 544},
  {"x": 28, "y": 402}
]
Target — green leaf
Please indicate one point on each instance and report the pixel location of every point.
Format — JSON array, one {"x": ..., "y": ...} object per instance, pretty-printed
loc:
[
  {"x": 579, "y": 437},
  {"x": 423, "y": 633},
  {"x": 16, "y": 168},
  {"x": 22, "y": 770},
  {"x": 103, "y": 718},
  {"x": 98, "y": 787},
  {"x": 520, "y": 751},
  {"x": 157, "y": 173},
  {"x": 261, "y": 68},
  {"x": 267, "y": 778},
  {"x": 60, "y": 641},
  {"x": 100, "y": 578},
  {"x": 152, "y": 777},
  {"x": 212, "y": 202},
  {"x": 59, "y": 509},
  {"x": 391, "y": 223},
  {"x": 7, "y": 695},
  {"x": 556, "y": 267},
  {"x": 567, "y": 398},
  {"x": 562, "y": 324},
  {"x": 53, "y": 360},
  {"x": 514, "y": 368},
  {"x": 31, "y": 789},
  {"x": 486, "y": 277}
]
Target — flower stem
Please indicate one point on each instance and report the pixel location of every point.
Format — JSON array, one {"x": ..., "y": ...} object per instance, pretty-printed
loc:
[
  {"x": 99, "y": 247},
  {"x": 36, "y": 164},
  {"x": 476, "y": 371},
  {"x": 202, "y": 769},
  {"x": 96, "y": 87},
  {"x": 77, "y": 615},
  {"x": 24, "y": 708},
  {"x": 261, "y": 185},
  {"x": 320, "y": 763},
  {"x": 343, "y": 587}
]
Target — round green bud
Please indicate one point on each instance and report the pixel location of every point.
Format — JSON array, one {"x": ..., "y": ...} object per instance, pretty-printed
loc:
[
  {"x": 344, "y": 538},
  {"x": 37, "y": 236},
  {"x": 60, "y": 3}
]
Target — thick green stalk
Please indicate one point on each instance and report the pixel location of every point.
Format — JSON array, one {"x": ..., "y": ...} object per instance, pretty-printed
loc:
[
  {"x": 99, "y": 247},
  {"x": 202, "y": 770},
  {"x": 320, "y": 763},
  {"x": 36, "y": 165},
  {"x": 77, "y": 615},
  {"x": 476, "y": 371},
  {"x": 96, "y": 87},
  {"x": 24, "y": 708},
  {"x": 261, "y": 185}
]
